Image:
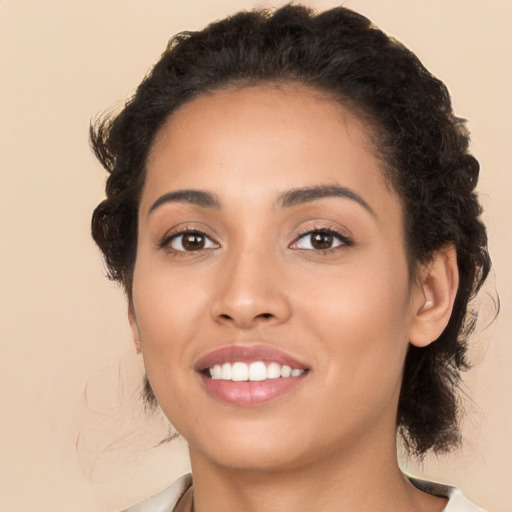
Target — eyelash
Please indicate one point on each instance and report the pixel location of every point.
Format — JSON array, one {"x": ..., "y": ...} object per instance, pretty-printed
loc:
[
  {"x": 344, "y": 239},
  {"x": 169, "y": 238}
]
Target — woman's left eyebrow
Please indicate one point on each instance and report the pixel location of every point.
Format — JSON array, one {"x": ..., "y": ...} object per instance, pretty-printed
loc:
[{"x": 303, "y": 195}]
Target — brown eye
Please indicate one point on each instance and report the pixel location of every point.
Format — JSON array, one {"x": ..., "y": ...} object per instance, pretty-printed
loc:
[
  {"x": 191, "y": 241},
  {"x": 321, "y": 240}
]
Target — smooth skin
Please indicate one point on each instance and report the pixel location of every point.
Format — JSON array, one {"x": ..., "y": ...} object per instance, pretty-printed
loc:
[{"x": 323, "y": 278}]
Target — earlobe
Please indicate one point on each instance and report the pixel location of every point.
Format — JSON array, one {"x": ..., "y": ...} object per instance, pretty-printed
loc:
[
  {"x": 134, "y": 328},
  {"x": 434, "y": 297}
]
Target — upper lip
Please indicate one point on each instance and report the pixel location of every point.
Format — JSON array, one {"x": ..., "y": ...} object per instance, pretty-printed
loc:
[{"x": 247, "y": 354}]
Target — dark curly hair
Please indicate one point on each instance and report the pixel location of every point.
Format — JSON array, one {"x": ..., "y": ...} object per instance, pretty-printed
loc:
[{"x": 423, "y": 147}]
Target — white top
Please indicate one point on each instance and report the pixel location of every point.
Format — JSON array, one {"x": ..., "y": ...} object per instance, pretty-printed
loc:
[
  {"x": 457, "y": 502},
  {"x": 166, "y": 500}
]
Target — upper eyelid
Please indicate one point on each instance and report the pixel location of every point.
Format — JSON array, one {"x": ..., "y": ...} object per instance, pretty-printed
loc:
[
  {"x": 180, "y": 231},
  {"x": 345, "y": 240},
  {"x": 343, "y": 234},
  {"x": 202, "y": 235}
]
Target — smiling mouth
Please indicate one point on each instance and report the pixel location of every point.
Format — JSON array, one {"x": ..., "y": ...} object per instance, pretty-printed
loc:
[
  {"x": 256, "y": 371},
  {"x": 250, "y": 375}
]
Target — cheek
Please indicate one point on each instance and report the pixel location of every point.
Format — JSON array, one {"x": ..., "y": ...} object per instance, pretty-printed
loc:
[
  {"x": 167, "y": 301},
  {"x": 363, "y": 343},
  {"x": 367, "y": 292},
  {"x": 169, "y": 309},
  {"x": 168, "y": 312},
  {"x": 362, "y": 315}
]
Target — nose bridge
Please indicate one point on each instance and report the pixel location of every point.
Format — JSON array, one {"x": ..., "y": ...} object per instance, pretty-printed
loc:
[{"x": 249, "y": 288}]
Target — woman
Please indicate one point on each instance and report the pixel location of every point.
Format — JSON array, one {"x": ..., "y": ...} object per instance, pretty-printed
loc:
[{"x": 291, "y": 211}]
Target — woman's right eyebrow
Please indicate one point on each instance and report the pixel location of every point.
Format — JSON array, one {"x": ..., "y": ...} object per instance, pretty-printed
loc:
[{"x": 189, "y": 196}]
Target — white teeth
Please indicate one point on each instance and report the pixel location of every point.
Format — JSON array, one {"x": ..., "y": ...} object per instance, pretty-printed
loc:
[
  {"x": 286, "y": 371},
  {"x": 256, "y": 371},
  {"x": 226, "y": 371},
  {"x": 273, "y": 371},
  {"x": 216, "y": 372},
  {"x": 239, "y": 372}
]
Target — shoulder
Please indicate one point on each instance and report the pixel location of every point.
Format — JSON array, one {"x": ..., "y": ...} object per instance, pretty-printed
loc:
[
  {"x": 457, "y": 502},
  {"x": 165, "y": 500}
]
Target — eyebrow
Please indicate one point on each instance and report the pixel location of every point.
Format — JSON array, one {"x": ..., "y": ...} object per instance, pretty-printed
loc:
[
  {"x": 195, "y": 197},
  {"x": 293, "y": 197},
  {"x": 303, "y": 195}
]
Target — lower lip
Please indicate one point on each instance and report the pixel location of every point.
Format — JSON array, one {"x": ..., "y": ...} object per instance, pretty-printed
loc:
[{"x": 249, "y": 393}]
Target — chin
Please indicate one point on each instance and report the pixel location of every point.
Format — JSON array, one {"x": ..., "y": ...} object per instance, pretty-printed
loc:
[
  {"x": 252, "y": 458},
  {"x": 258, "y": 446}
]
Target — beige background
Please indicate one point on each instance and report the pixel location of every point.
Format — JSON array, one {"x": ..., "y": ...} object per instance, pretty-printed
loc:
[{"x": 73, "y": 436}]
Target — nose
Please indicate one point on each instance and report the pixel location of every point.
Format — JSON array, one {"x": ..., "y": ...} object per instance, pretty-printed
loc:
[{"x": 250, "y": 292}]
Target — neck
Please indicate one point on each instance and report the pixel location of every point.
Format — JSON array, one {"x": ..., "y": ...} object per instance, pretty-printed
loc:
[{"x": 352, "y": 479}]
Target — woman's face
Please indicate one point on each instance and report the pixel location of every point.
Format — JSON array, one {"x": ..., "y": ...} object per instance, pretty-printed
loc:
[{"x": 269, "y": 240}]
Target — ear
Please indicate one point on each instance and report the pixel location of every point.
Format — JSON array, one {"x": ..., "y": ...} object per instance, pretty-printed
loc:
[
  {"x": 434, "y": 297},
  {"x": 134, "y": 327}
]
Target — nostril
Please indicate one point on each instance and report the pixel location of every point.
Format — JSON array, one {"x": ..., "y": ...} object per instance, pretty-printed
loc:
[{"x": 266, "y": 315}]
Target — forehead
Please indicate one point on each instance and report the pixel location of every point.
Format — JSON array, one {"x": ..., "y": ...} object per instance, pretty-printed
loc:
[
  {"x": 262, "y": 140},
  {"x": 289, "y": 111}
]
